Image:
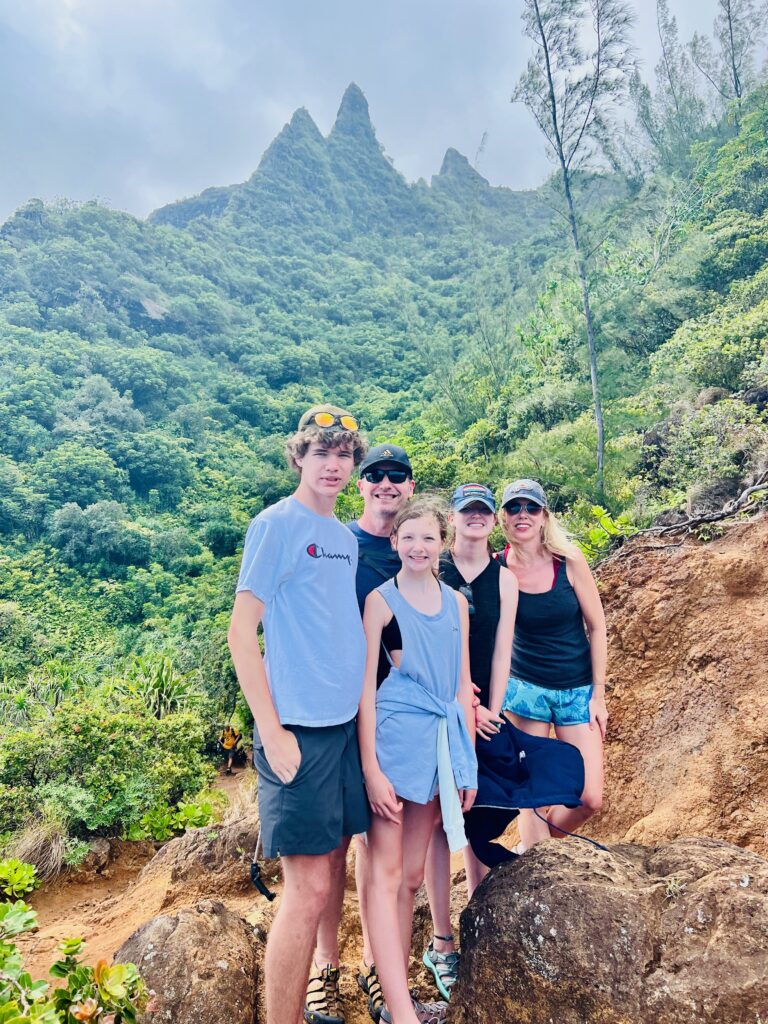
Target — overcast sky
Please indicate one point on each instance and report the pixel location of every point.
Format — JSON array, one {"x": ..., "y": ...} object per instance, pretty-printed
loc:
[{"x": 140, "y": 102}]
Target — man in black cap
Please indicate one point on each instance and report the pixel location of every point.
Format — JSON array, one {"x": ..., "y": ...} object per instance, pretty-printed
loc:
[{"x": 386, "y": 483}]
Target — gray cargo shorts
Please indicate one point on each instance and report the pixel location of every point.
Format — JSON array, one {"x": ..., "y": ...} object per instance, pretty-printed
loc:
[{"x": 324, "y": 801}]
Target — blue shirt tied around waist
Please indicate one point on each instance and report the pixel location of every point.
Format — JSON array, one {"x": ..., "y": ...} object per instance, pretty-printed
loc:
[{"x": 422, "y": 740}]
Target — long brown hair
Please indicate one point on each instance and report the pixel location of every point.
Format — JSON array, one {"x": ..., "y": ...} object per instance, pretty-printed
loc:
[{"x": 419, "y": 507}]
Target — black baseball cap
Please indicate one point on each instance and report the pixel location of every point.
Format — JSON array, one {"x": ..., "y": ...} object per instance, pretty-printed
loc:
[
  {"x": 386, "y": 453},
  {"x": 530, "y": 490}
]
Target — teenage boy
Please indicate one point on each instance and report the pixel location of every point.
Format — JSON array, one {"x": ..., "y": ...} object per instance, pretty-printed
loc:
[
  {"x": 386, "y": 483},
  {"x": 298, "y": 579}
]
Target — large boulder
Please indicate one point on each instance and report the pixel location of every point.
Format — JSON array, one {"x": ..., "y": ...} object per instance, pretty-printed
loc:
[
  {"x": 630, "y": 935},
  {"x": 202, "y": 963}
]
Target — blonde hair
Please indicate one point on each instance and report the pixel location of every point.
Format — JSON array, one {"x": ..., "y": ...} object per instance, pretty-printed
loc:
[
  {"x": 554, "y": 537},
  {"x": 297, "y": 446}
]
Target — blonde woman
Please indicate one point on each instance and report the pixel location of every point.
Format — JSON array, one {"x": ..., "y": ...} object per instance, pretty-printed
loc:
[{"x": 560, "y": 649}]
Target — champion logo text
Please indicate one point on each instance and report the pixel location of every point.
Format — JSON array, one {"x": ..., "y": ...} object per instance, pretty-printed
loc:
[{"x": 318, "y": 551}]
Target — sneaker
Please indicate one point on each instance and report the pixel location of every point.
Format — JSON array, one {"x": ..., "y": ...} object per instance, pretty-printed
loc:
[
  {"x": 427, "y": 1013},
  {"x": 368, "y": 980},
  {"x": 444, "y": 968},
  {"x": 323, "y": 1001}
]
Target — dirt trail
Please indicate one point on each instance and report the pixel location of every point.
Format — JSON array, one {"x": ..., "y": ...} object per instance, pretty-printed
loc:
[{"x": 102, "y": 907}]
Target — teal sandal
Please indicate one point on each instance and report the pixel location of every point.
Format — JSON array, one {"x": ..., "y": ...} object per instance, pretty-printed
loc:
[{"x": 443, "y": 966}]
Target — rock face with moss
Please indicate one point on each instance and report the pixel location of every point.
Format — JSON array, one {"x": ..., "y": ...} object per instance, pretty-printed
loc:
[{"x": 631, "y": 935}]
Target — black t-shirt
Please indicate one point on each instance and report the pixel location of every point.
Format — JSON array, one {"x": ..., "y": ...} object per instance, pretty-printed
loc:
[
  {"x": 377, "y": 562},
  {"x": 484, "y": 612}
]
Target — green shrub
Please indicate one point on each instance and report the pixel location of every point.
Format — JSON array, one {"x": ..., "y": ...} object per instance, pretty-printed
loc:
[
  {"x": 102, "y": 766},
  {"x": 162, "y": 821},
  {"x": 17, "y": 878},
  {"x": 715, "y": 441},
  {"x": 16, "y": 804},
  {"x": 99, "y": 995},
  {"x": 158, "y": 824},
  {"x": 159, "y": 686}
]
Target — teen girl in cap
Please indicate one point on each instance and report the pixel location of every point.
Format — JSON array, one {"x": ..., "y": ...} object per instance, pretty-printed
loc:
[{"x": 560, "y": 649}]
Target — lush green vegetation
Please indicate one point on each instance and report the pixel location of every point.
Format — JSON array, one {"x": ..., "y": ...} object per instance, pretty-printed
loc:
[
  {"x": 150, "y": 370},
  {"x": 100, "y": 994}
]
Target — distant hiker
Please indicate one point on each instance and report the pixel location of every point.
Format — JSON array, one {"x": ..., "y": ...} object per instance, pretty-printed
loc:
[
  {"x": 418, "y": 729},
  {"x": 491, "y": 594},
  {"x": 560, "y": 648},
  {"x": 386, "y": 483},
  {"x": 298, "y": 578},
  {"x": 228, "y": 740}
]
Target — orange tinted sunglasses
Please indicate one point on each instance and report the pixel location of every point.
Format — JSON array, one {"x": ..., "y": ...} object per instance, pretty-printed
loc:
[{"x": 328, "y": 419}]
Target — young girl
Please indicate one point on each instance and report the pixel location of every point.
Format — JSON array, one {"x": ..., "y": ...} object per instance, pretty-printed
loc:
[
  {"x": 560, "y": 648},
  {"x": 416, "y": 739}
]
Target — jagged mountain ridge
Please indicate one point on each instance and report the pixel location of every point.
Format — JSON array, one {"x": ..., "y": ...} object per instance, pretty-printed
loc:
[{"x": 345, "y": 183}]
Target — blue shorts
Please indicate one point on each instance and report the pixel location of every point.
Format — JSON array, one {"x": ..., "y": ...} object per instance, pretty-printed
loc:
[{"x": 542, "y": 704}]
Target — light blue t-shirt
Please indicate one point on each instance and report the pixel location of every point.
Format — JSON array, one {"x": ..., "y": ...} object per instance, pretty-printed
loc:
[{"x": 302, "y": 566}]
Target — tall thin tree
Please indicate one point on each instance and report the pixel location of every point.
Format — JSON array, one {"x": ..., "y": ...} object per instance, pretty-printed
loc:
[
  {"x": 728, "y": 64},
  {"x": 673, "y": 114},
  {"x": 571, "y": 87}
]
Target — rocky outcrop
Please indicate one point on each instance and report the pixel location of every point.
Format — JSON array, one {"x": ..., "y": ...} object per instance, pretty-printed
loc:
[
  {"x": 687, "y": 748},
  {"x": 627, "y": 936},
  {"x": 211, "y": 861},
  {"x": 202, "y": 964}
]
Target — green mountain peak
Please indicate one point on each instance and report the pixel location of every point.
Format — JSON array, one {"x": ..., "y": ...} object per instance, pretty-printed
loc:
[{"x": 353, "y": 116}]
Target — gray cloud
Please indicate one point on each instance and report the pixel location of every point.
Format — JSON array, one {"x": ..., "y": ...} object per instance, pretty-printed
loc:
[{"x": 139, "y": 102}]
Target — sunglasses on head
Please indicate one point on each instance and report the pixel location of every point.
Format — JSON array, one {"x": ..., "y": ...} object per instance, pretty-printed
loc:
[
  {"x": 328, "y": 419},
  {"x": 377, "y": 474},
  {"x": 514, "y": 508}
]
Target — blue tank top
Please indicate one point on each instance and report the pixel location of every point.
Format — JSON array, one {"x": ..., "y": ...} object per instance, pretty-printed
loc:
[
  {"x": 414, "y": 698},
  {"x": 551, "y": 648}
]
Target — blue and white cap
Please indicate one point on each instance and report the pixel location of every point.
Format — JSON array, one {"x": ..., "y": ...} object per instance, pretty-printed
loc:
[
  {"x": 528, "y": 490},
  {"x": 468, "y": 494}
]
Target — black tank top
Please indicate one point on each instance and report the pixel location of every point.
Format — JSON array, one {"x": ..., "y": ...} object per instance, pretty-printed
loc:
[
  {"x": 551, "y": 647},
  {"x": 483, "y": 620}
]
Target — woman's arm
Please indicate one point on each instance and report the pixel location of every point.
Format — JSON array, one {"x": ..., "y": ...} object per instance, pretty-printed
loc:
[
  {"x": 584, "y": 585},
  {"x": 465, "y": 694},
  {"x": 381, "y": 795},
  {"x": 505, "y": 632}
]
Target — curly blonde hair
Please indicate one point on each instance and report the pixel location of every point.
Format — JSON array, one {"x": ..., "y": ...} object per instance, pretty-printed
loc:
[{"x": 297, "y": 445}]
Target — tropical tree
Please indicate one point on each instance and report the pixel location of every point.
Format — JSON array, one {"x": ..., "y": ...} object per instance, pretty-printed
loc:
[
  {"x": 571, "y": 87},
  {"x": 728, "y": 62},
  {"x": 673, "y": 114}
]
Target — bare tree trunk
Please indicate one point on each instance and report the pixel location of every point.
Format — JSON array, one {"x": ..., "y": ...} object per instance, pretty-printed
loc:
[
  {"x": 732, "y": 54},
  {"x": 589, "y": 323}
]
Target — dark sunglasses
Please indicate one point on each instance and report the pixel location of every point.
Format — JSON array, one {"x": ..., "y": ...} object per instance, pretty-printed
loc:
[
  {"x": 466, "y": 590},
  {"x": 395, "y": 476},
  {"x": 328, "y": 419},
  {"x": 514, "y": 508}
]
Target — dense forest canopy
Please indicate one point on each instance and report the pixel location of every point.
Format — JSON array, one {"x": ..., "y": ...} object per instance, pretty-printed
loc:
[{"x": 151, "y": 369}]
